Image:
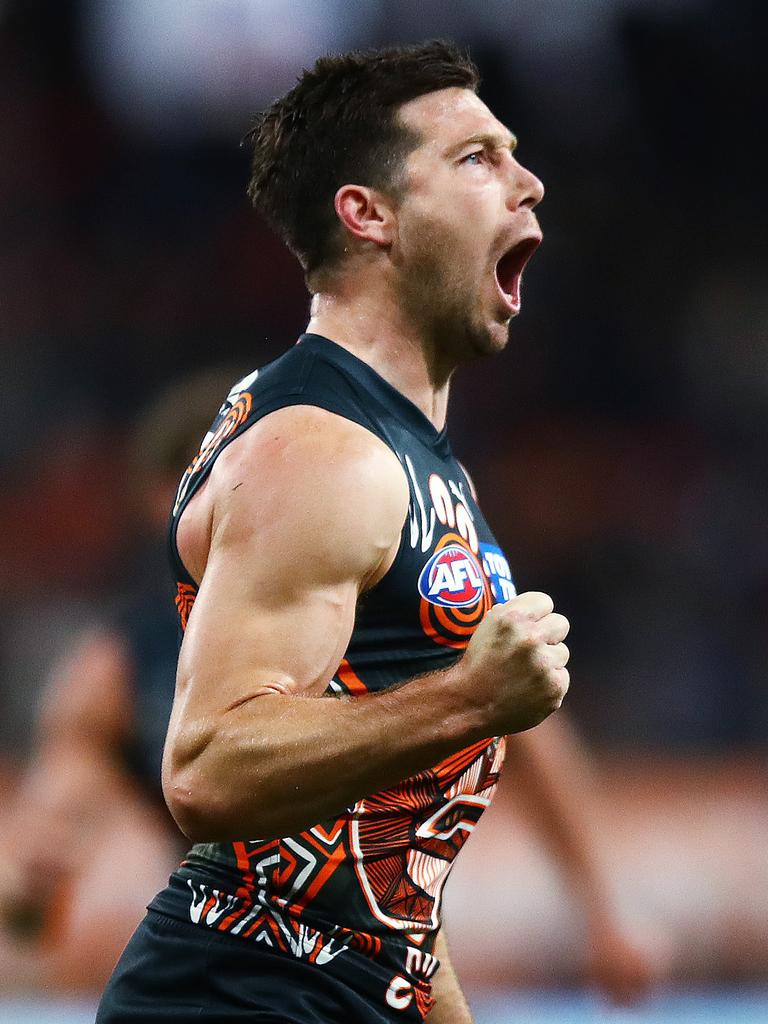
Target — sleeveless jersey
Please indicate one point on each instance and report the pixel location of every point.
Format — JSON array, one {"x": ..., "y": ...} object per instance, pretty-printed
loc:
[{"x": 360, "y": 893}]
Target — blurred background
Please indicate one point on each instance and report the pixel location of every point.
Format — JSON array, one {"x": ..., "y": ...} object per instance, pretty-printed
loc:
[{"x": 618, "y": 445}]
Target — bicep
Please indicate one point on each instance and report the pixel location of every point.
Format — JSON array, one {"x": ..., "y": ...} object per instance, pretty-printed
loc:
[
  {"x": 304, "y": 513},
  {"x": 250, "y": 632}
]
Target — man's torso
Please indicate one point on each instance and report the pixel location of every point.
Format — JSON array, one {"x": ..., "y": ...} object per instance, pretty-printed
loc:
[{"x": 367, "y": 882}]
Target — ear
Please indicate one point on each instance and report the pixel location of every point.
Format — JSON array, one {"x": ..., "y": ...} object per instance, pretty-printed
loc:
[{"x": 365, "y": 213}]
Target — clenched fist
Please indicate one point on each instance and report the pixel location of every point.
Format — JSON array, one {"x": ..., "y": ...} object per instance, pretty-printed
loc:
[{"x": 514, "y": 666}]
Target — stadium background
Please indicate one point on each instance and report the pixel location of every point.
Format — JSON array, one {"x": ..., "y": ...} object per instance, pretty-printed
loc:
[{"x": 618, "y": 445}]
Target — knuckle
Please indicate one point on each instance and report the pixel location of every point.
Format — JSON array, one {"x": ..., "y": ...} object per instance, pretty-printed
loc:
[
  {"x": 556, "y": 687},
  {"x": 527, "y": 643},
  {"x": 544, "y": 602},
  {"x": 512, "y": 616},
  {"x": 507, "y": 622}
]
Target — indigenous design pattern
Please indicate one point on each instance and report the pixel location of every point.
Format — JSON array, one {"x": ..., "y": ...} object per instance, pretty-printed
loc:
[
  {"x": 232, "y": 415},
  {"x": 185, "y": 598},
  {"x": 406, "y": 838},
  {"x": 278, "y": 880}
]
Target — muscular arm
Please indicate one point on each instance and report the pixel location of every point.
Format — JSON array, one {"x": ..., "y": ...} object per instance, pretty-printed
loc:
[
  {"x": 450, "y": 1005},
  {"x": 304, "y": 511}
]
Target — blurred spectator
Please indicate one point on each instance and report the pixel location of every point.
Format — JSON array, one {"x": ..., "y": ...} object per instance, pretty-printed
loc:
[{"x": 90, "y": 800}]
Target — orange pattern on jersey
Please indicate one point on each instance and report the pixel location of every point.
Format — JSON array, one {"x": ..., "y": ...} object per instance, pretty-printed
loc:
[
  {"x": 334, "y": 861},
  {"x": 424, "y": 1001},
  {"x": 280, "y": 866},
  {"x": 353, "y": 683},
  {"x": 407, "y": 836},
  {"x": 236, "y": 415},
  {"x": 457, "y": 763},
  {"x": 185, "y": 598}
]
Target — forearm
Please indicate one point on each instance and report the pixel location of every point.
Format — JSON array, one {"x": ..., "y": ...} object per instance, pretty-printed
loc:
[
  {"x": 450, "y": 1005},
  {"x": 273, "y": 760},
  {"x": 278, "y": 763}
]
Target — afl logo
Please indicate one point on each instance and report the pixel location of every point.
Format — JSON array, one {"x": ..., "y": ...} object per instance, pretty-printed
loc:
[{"x": 452, "y": 578}]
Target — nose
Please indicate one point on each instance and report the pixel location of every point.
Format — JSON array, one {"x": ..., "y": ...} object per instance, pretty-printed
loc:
[{"x": 525, "y": 188}]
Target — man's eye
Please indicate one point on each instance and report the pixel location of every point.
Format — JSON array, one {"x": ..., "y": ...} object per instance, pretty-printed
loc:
[{"x": 474, "y": 158}]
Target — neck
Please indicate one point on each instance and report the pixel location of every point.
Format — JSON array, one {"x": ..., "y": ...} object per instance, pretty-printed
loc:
[{"x": 378, "y": 332}]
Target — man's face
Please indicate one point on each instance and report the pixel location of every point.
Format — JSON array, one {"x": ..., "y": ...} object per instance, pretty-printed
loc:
[{"x": 465, "y": 225}]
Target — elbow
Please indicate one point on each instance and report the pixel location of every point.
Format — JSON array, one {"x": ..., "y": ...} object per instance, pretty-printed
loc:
[
  {"x": 190, "y": 788},
  {"x": 220, "y": 788},
  {"x": 207, "y": 812},
  {"x": 189, "y": 808},
  {"x": 201, "y": 814}
]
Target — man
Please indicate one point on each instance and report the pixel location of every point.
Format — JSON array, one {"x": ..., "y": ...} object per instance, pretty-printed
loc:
[{"x": 354, "y": 650}]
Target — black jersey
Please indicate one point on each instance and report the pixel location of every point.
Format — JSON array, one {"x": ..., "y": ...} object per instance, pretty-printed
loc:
[{"x": 365, "y": 885}]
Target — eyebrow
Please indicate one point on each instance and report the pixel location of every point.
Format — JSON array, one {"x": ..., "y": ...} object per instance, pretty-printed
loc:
[{"x": 489, "y": 140}]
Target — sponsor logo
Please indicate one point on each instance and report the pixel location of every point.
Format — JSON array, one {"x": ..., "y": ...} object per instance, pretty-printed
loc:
[
  {"x": 497, "y": 570},
  {"x": 452, "y": 578}
]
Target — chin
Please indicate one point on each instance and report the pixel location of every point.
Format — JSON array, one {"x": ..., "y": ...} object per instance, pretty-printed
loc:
[
  {"x": 468, "y": 338},
  {"x": 490, "y": 339}
]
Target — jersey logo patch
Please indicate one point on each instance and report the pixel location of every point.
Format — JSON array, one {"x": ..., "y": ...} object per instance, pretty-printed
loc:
[
  {"x": 452, "y": 578},
  {"x": 497, "y": 570}
]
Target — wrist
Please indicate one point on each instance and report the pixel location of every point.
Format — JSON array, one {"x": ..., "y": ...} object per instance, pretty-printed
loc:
[{"x": 467, "y": 718}]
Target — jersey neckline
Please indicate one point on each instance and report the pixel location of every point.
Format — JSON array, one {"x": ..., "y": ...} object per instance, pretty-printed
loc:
[{"x": 402, "y": 407}]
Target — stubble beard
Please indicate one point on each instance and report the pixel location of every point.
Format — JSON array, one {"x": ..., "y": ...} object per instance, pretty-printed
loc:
[{"x": 446, "y": 304}]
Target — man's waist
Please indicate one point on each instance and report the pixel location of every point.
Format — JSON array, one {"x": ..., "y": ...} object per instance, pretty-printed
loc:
[{"x": 286, "y": 928}]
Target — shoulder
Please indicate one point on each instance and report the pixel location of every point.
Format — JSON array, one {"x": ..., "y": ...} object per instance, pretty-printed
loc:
[
  {"x": 315, "y": 445},
  {"x": 314, "y": 476}
]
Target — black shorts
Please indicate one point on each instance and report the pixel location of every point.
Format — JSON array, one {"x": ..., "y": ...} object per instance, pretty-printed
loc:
[{"x": 176, "y": 971}]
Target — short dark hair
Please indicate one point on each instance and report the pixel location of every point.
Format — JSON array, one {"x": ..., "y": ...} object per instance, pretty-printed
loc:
[{"x": 338, "y": 125}]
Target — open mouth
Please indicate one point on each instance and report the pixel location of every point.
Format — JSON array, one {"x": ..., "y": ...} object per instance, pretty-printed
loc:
[{"x": 509, "y": 270}]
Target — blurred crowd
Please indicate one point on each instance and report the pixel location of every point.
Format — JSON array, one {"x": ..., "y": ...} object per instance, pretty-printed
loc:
[{"x": 618, "y": 445}]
